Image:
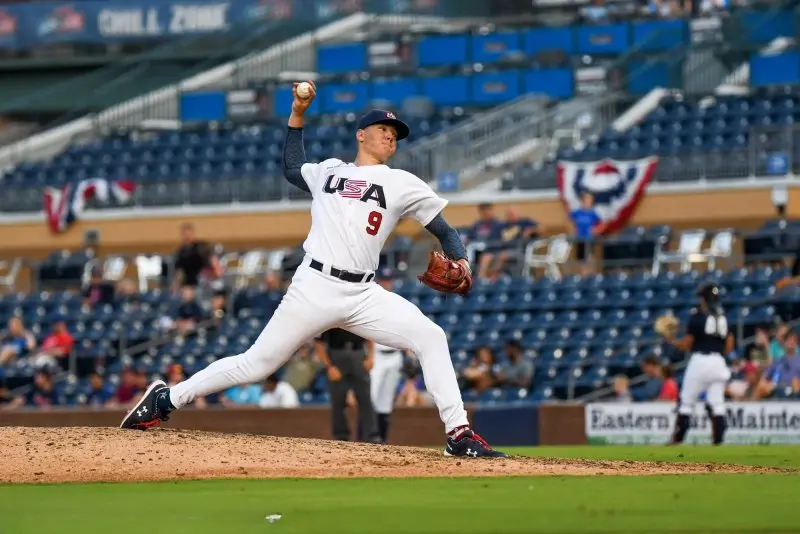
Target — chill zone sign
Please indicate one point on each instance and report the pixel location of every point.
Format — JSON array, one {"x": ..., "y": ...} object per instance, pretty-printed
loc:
[{"x": 653, "y": 422}]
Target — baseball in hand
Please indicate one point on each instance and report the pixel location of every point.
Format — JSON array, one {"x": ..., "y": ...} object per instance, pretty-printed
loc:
[{"x": 304, "y": 90}]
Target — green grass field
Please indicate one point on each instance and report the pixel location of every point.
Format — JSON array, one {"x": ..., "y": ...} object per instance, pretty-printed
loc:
[{"x": 708, "y": 503}]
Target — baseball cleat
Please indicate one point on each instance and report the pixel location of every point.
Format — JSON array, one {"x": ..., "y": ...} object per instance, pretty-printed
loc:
[
  {"x": 471, "y": 445},
  {"x": 146, "y": 413}
]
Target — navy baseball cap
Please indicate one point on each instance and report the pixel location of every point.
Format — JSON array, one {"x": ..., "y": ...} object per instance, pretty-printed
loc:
[{"x": 380, "y": 116}]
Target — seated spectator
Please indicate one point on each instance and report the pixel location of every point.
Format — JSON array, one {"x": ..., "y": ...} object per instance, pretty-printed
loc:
[
  {"x": 783, "y": 373},
  {"x": 669, "y": 388},
  {"x": 127, "y": 292},
  {"x": 278, "y": 394},
  {"x": 744, "y": 382},
  {"x": 776, "y": 348},
  {"x": 586, "y": 224},
  {"x": 189, "y": 312},
  {"x": 480, "y": 375},
  {"x": 516, "y": 231},
  {"x": 301, "y": 371},
  {"x": 42, "y": 395},
  {"x": 129, "y": 389},
  {"x": 761, "y": 349},
  {"x": 622, "y": 391},
  {"x": 484, "y": 237},
  {"x": 56, "y": 348},
  {"x": 99, "y": 393},
  {"x": 244, "y": 395},
  {"x": 655, "y": 380},
  {"x": 15, "y": 342},
  {"x": 412, "y": 392},
  {"x": 516, "y": 371},
  {"x": 99, "y": 291}
]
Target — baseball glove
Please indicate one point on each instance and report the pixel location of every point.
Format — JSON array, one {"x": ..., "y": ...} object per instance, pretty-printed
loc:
[
  {"x": 666, "y": 325},
  {"x": 446, "y": 275}
]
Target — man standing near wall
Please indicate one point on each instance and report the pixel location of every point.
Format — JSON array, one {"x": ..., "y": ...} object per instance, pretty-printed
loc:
[{"x": 348, "y": 359}]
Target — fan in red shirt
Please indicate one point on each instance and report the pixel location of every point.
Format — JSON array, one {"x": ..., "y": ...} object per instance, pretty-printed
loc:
[
  {"x": 55, "y": 348},
  {"x": 669, "y": 389}
]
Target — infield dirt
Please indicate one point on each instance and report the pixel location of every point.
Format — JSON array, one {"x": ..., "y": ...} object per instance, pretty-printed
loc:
[{"x": 81, "y": 454}]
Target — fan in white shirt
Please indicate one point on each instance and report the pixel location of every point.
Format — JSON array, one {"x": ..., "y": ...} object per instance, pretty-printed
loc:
[{"x": 278, "y": 394}]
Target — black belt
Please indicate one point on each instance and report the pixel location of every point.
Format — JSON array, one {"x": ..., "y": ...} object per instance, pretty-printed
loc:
[{"x": 343, "y": 275}]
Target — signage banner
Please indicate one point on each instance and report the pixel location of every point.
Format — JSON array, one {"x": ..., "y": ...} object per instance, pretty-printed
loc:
[
  {"x": 653, "y": 422},
  {"x": 32, "y": 24}
]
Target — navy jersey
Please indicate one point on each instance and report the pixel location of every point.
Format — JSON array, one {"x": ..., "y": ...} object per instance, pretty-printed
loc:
[{"x": 709, "y": 330}]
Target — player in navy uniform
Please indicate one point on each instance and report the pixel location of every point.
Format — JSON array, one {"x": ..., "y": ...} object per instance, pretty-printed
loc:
[{"x": 708, "y": 339}]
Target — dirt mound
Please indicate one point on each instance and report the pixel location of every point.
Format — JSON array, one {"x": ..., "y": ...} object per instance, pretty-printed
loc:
[{"x": 78, "y": 454}]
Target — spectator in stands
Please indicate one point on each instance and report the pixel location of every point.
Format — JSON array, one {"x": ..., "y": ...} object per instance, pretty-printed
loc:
[
  {"x": 776, "y": 348},
  {"x": 278, "y": 394},
  {"x": 485, "y": 237},
  {"x": 744, "y": 383},
  {"x": 218, "y": 307},
  {"x": 304, "y": 367},
  {"x": 515, "y": 372},
  {"x": 482, "y": 371},
  {"x": 129, "y": 389},
  {"x": 189, "y": 312},
  {"x": 413, "y": 392},
  {"x": 273, "y": 281},
  {"x": 655, "y": 380},
  {"x": 99, "y": 394},
  {"x": 669, "y": 388},
  {"x": 244, "y": 395},
  {"x": 98, "y": 291},
  {"x": 516, "y": 231},
  {"x": 762, "y": 347},
  {"x": 15, "y": 342},
  {"x": 55, "y": 348},
  {"x": 41, "y": 395},
  {"x": 783, "y": 374},
  {"x": 128, "y": 293},
  {"x": 586, "y": 224},
  {"x": 195, "y": 261},
  {"x": 622, "y": 391}
]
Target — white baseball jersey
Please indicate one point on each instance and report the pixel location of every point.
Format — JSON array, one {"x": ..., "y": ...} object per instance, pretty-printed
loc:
[{"x": 355, "y": 209}]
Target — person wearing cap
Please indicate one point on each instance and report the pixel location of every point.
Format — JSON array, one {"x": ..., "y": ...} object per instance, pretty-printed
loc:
[{"x": 386, "y": 373}]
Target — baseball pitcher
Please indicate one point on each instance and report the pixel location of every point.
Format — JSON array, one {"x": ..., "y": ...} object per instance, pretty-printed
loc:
[
  {"x": 355, "y": 207},
  {"x": 708, "y": 338}
]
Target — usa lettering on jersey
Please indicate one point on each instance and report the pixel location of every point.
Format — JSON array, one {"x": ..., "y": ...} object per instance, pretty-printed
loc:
[{"x": 358, "y": 189}]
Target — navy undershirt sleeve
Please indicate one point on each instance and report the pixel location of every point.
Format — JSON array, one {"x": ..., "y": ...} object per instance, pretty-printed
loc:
[
  {"x": 294, "y": 156},
  {"x": 448, "y": 237}
]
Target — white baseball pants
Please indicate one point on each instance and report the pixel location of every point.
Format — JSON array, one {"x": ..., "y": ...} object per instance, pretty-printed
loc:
[
  {"x": 384, "y": 379},
  {"x": 705, "y": 373},
  {"x": 316, "y": 302}
]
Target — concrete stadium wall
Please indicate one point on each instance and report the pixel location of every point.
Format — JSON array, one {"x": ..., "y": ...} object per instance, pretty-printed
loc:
[
  {"x": 742, "y": 208},
  {"x": 501, "y": 426}
]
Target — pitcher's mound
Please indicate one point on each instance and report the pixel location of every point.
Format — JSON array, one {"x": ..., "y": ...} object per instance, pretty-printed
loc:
[{"x": 78, "y": 454}]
